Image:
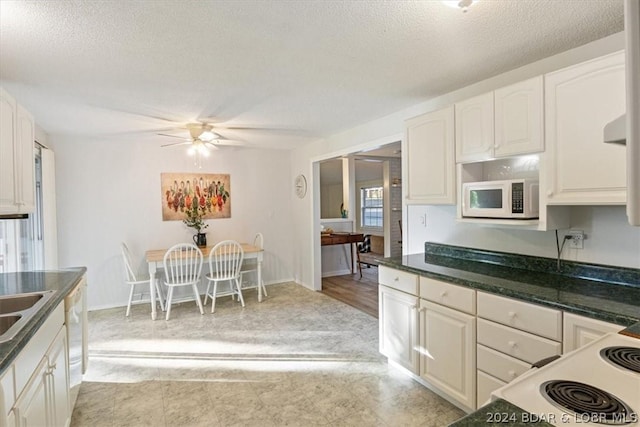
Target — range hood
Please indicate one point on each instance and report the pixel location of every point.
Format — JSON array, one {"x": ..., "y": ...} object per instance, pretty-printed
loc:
[{"x": 615, "y": 132}]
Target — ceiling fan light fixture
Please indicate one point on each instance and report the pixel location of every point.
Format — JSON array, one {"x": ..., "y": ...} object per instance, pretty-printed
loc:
[
  {"x": 199, "y": 150},
  {"x": 208, "y": 136},
  {"x": 197, "y": 129}
]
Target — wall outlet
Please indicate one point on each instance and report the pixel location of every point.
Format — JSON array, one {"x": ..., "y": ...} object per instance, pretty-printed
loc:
[{"x": 577, "y": 239}]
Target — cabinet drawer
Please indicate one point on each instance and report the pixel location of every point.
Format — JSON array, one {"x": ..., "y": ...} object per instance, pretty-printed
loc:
[
  {"x": 521, "y": 345},
  {"x": 499, "y": 365},
  {"x": 400, "y": 280},
  {"x": 527, "y": 317},
  {"x": 453, "y": 296},
  {"x": 486, "y": 385}
]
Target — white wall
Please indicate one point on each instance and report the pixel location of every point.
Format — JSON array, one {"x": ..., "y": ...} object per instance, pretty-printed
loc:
[
  {"x": 607, "y": 226},
  {"x": 109, "y": 191},
  {"x": 331, "y": 200},
  {"x": 610, "y": 239}
]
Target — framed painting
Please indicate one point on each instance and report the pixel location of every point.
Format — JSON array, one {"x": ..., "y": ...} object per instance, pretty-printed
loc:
[{"x": 209, "y": 193}]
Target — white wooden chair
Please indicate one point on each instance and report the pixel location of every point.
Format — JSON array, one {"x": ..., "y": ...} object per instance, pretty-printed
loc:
[
  {"x": 225, "y": 260},
  {"x": 182, "y": 267},
  {"x": 132, "y": 279},
  {"x": 251, "y": 267}
]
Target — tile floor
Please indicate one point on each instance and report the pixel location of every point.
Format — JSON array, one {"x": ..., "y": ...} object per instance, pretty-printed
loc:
[{"x": 299, "y": 358}]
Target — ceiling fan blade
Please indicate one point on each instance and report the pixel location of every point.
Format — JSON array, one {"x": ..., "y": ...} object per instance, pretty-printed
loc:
[
  {"x": 220, "y": 125},
  {"x": 176, "y": 143},
  {"x": 256, "y": 128},
  {"x": 172, "y": 136}
]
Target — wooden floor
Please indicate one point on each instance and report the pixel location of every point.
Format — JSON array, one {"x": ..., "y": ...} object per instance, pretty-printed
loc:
[{"x": 361, "y": 293}]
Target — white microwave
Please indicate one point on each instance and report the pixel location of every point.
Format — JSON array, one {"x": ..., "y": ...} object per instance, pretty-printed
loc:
[{"x": 511, "y": 198}]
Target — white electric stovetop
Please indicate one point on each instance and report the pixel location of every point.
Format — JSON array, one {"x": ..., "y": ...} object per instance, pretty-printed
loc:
[{"x": 584, "y": 365}]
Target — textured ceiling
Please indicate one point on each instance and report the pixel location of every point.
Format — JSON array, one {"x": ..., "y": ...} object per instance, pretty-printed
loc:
[{"x": 303, "y": 69}]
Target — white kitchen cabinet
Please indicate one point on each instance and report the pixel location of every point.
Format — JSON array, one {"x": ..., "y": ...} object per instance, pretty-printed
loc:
[
  {"x": 429, "y": 158},
  {"x": 505, "y": 123},
  {"x": 25, "y": 131},
  {"x": 429, "y": 327},
  {"x": 17, "y": 167},
  {"x": 8, "y": 397},
  {"x": 447, "y": 351},
  {"x": 519, "y": 125},
  {"x": 579, "y": 101},
  {"x": 45, "y": 399},
  {"x": 58, "y": 381},
  {"x": 474, "y": 128},
  {"x": 398, "y": 327},
  {"x": 31, "y": 408},
  {"x": 8, "y": 113},
  {"x": 580, "y": 330},
  {"x": 36, "y": 385}
]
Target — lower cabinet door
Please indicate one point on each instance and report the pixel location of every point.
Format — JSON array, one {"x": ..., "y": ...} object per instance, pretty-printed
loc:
[
  {"x": 45, "y": 399},
  {"x": 31, "y": 408},
  {"x": 448, "y": 351},
  {"x": 59, "y": 367},
  {"x": 579, "y": 331},
  {"x": 398, "y": 327}
]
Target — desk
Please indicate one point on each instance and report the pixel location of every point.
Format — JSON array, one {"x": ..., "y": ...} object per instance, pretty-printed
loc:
[
  {"x": 155, "y": 258},
  {"x": 342, "y": 239}
]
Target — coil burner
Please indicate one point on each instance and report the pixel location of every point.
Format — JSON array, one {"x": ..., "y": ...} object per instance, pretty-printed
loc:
[
  {"x": 624, "y": 357},
  {"x": 587, "y": 402}
]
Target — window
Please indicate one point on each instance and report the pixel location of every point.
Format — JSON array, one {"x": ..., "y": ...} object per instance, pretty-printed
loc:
[{"x": 371, "y": 207}]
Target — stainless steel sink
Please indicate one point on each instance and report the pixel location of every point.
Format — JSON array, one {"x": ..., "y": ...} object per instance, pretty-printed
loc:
[
  {"x": 14, "y": 303},
  {"x": 6, "y": 322},
  {"x": 17, "y": 310}
]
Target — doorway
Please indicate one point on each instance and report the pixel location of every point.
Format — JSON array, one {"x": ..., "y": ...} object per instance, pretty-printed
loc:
[{"x": 359, "y": 192}]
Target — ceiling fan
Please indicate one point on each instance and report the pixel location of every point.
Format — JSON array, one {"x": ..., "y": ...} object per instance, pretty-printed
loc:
[
  {"x": 201, "y": 139},
  {"x": 201, "y": 135}
]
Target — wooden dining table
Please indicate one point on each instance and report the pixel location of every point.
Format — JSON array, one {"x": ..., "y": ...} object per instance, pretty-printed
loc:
[
  {"x": 155, "y": 261},
  {"x": 343, "y": 238}
]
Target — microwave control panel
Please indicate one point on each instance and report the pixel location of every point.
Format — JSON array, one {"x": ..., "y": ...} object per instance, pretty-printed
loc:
[{"x": 517, "y": 197}]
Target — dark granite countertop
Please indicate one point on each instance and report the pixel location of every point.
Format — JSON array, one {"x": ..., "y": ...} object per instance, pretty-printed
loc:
[
  {"x": 61, "y": 281},
  {"x": 611, "y": 294},
  {"x": 499, "y": 413}
]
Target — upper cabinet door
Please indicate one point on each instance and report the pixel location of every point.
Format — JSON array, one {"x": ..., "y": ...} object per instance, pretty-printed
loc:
[
  {"x": 7, "y": 153},
  {"x": 17, "y": 167},
  {"x": 580, "y": 101},
  {"x": 429, "y": 156},
  {"x": 25, "y": 132},
  {"x": 519, "y": 123},
  {"x": 474, "y": 129}
]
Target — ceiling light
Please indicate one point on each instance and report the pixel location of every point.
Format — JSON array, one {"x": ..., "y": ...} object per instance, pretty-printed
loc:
[
  {"x": 208, "y": 136},
  {"x": 199, "y": 150},
  {"x": 461, "y": 4}
]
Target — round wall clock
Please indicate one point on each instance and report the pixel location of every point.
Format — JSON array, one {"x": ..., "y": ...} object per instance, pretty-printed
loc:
[{"x": 300, "y": 184}]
